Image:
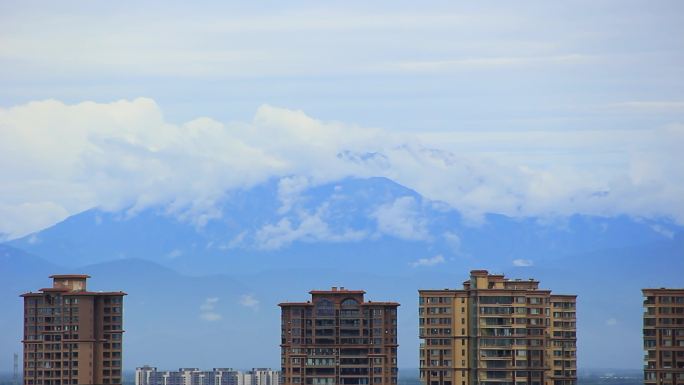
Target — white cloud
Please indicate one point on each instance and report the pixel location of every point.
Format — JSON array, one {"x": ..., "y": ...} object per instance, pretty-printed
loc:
[
  {"x": 289, "y": 189},
  {"x": 436, "y": 260},
  {"x": 61, "y": 159},
  {"x": 210, "y": 316},
  {"x": 611, "y": 322},
  {"x": 175, "y": 253},
  {"x": 21, "y": 218},
  {"x": 249, "y": 301},
  {"x": 208, "y": 310},
  {"x": 209, "y": 304},
  {"x": 523, "y": 262},
  {"x": 453, "y": 240},
  {"x": 402, "y": 219},
  {"x": 665, "y": 232},
  {"x": 237, "y": 241},
  {"x": 305, "y": 226}
]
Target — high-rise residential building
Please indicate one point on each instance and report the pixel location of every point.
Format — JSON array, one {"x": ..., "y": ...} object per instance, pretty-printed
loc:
[
  {"x": 147, "y": 375},
  {"x": 664, "y": 336},
  {"x": 338, "y": 338},
  {"x": 72, "y": 335},
  {"x": 497, "y": 331}
]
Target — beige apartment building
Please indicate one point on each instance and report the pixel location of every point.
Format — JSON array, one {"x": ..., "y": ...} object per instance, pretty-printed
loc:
[
  {"x": 497, "y": 331},
  {"x": 72, "y": 335},
  {"x": 339, "y": 338},
  {"x": 664, "y": 336}
]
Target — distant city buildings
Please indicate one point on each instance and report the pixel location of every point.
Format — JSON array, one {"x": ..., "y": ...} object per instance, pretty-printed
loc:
[
  {"x": 497, "y": 331},
  {"x": 664, "y": 336},
  {"x": 337, "y": 338},
  {"x": 260, "y": 376},
  {"x": 148, "y": 375},
  {"x": 72, "y": 335}
]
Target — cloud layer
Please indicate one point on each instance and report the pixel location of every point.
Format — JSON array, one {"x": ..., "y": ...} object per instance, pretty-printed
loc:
[
  {"x": 436, "y": 260},
  {"x": 208, "y": 310},
  {"x": 520, "y": 262},
  {"x": 249, "y": 301},
  {"x": 60, "y": 159}
]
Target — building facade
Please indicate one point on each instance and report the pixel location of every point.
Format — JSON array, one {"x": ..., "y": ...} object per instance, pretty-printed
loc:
[
  {"x": 497, "y": 331},
  {"x": 261, "y": 376},
  {"x": 664, "y": 336},
  {"x": 339, "y": 338},
  {"x": 72, "y": 335},
  {"x": 148, "y": 375}
]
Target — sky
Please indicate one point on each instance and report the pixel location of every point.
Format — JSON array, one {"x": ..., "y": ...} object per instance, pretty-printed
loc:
[
  {"x": 525, "y": 108},
  {"x": 530, "y": 108}
]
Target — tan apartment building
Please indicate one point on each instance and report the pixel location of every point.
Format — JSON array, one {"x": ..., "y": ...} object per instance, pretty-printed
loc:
[
  {"x": 338, "y": 338},
  {"x": 72, "y": 335},
  {"x": 497, "y": 331},
  {"x": 664, "y": 336}
]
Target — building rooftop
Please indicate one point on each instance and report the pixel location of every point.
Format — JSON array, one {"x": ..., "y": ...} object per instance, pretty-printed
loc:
[
  {"x": 295, "y": 304},
  {"x": 72, "y": 293},
  {"x": 336, "y": 290},
  {"x": 379, "y": 303},
  {"x": 664, "y": 290},
  {"x": 70, "y": 276}
]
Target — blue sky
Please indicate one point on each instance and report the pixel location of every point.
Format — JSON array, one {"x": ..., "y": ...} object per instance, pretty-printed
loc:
[{"x": 528, "y": 109}]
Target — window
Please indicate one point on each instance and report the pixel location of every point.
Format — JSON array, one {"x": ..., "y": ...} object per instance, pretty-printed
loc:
[
  {"x": 350, "y": 302},
  {"x": 324, "y": 308}
]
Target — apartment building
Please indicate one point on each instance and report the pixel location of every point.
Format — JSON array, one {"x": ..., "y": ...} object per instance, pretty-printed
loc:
[
  {"x": 337, "y": 337},
  {"x": 148, "y": 375},
  {"x": 72, "y": 335},
  {"x": 664, "y": 336},
  {"x": 261, "y": 376},
  {"x": 497, "y": 331}
]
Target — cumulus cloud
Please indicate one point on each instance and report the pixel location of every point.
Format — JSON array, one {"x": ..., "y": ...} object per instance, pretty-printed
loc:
[
  {"x": 61, "y": 159},
  {"x": 523, "y": 262},
  {"x": 402, "y": 219},
  {"x": 305, "y": 226},
  {"x": 208, "y": 310},
  {"x": 289, "y": 189},
  {"x": 436, "y": 260},
  {"x": 249, "y": 301},
  {"x": 453, "y": 240},
  {"x": 663, "y": 231}
]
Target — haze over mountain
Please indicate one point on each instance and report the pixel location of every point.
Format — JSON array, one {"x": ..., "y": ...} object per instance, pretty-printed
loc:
[{"x": 220, "y": 281}]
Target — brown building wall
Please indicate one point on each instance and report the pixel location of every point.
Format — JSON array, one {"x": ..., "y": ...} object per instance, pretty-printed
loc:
[
  {"x": 70, "y": 336},
  {"x": 664, "y": 336},
  {"x": 337, "y": 338}
]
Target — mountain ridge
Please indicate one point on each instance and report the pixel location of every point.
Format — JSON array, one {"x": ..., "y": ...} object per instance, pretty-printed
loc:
[{"x": 286, "y": 218}]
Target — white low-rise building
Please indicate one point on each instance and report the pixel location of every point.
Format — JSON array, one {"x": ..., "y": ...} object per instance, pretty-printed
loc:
[{"x": 149, "y": 375}]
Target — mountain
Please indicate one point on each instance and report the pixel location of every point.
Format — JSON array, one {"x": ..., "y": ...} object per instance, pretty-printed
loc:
[
  {"x": 203, "y": 285},
  {"x": 19, "y": 272},
  {"x": 282, "y": 224}
]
